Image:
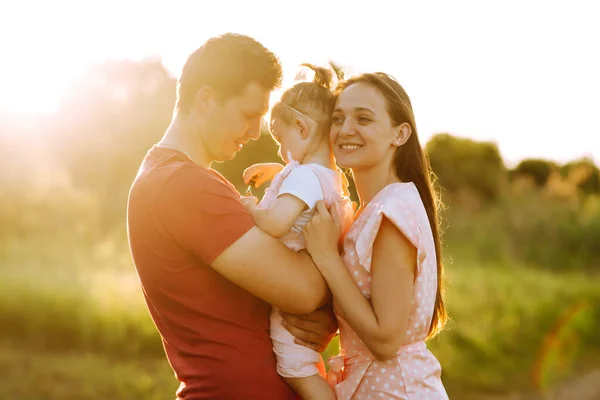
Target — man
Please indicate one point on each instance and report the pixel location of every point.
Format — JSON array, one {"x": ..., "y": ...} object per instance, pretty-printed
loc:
[{"x": 208, "y": 274}]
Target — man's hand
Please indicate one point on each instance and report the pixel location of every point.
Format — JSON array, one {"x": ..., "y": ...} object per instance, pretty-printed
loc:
[{"x": 313, "y": 330}]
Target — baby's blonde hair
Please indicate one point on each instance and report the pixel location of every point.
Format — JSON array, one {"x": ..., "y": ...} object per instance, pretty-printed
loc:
[{"x": 314, "y": 100}]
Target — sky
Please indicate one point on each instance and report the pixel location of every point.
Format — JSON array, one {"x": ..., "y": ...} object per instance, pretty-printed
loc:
[{"x": 525, "y": 74}]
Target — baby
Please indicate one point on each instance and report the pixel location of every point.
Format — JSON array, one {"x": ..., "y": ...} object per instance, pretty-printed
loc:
[{"x": 300, "y": 124}]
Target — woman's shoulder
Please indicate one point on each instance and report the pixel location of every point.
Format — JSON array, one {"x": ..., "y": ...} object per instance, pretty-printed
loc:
[
  {"x": 395, "y": 202},
  {"x": 401, "y": 203},
  {"x": 398, "y": 195}
]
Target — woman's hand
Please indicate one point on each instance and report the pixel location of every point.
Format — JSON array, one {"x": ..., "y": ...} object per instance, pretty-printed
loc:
[
  {"x": 258, "y": 174},
  {"x": 322, "y": 234}
]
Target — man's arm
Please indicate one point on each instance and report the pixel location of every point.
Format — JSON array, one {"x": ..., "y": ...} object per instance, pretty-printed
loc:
[
  {"x": 204, "y": 216},
  {"x": 266, "y": 268}
]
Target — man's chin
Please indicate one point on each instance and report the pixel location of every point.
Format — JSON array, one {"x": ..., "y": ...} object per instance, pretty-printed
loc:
[{"x": 226, "y": 157}]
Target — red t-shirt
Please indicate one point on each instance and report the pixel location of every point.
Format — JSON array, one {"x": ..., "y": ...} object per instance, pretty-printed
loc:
[{"x": 215, "y": 334}]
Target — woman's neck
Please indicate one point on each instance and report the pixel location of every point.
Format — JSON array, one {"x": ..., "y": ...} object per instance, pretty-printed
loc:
[{"x": 369, "y": 182}]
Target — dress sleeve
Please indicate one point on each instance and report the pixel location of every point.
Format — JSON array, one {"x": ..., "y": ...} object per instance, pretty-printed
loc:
[{"x": 401, "y": 208}]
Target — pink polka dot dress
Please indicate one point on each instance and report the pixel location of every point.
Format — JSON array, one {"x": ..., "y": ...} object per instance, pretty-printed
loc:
[{"x": 414, "y": 373}]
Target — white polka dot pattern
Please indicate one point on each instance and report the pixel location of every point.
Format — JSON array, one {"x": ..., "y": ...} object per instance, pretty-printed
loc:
[{"x": 414, "y": 373}]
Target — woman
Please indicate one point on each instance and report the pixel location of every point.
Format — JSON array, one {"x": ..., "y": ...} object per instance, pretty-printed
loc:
[{"x": 387, "y": 285}]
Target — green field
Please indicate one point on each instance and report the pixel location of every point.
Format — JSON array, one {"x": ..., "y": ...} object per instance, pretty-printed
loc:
[{"x": 78, "y": 328}]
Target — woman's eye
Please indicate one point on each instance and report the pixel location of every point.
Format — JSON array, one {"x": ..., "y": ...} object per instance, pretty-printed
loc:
[
  {"x": 364, "y": 120},
  {"x": 338, "y": 120}
]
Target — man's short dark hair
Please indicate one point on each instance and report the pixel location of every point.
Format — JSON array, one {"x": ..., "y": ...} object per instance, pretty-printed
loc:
[{"x": 227, "y": 63}]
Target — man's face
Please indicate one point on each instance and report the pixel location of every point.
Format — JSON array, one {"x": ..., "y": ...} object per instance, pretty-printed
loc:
[{"x": 229, "y": 125}]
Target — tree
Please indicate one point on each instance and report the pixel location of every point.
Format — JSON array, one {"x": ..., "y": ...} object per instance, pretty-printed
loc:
[
  {"x": 106, "y": 123},
  {"x": 584, "y": 173},
  {"x": 537, "y": 169},
  {"x": 462, "y": 163}
]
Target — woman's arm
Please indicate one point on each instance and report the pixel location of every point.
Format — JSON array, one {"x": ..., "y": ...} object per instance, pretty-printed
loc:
[{"x": 380, "y": 323}]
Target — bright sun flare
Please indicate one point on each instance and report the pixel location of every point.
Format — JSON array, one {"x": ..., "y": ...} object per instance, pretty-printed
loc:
[
  {"x": 523, "y": 87},
  {"x": 27, "y": 89}
]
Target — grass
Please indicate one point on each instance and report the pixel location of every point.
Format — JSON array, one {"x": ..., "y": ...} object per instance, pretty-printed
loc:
[
  {"x": 30, "y": 373},
  {"x": 79, "y": 328},
  {"x": 509, "y": 328}
]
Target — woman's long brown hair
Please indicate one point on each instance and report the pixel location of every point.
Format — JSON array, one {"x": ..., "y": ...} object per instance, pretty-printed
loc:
[{"x": 411, "y": 165}]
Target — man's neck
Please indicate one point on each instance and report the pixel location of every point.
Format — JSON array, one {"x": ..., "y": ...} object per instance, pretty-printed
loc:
[{"x": 181, "y": 135}]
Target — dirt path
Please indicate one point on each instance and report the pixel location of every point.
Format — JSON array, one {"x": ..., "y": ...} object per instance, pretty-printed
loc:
[{"x": 584, "y": 387}]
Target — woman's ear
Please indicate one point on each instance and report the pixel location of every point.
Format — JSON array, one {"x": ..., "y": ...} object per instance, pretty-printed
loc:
[{"x": 403, "y": 132}]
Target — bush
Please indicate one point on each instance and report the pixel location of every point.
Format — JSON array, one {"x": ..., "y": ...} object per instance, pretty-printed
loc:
[
  {"x": 466, "y": 164},
  {"x": 539, "y": 170}
]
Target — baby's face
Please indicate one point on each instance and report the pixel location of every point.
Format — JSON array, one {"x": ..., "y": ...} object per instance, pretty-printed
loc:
[{"x": 289, "y": 138}]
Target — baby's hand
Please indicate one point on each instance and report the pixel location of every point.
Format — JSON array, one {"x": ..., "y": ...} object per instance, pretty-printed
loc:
[
  {"x": 249, "y": 201},
  {"x": 258, "y": 174}
]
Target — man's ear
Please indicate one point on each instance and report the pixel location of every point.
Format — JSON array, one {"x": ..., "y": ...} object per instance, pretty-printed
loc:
[{"x": 205, "y": 97}]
